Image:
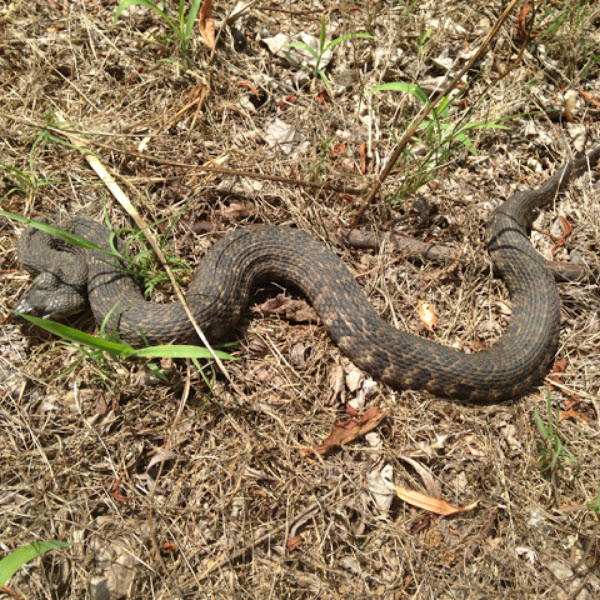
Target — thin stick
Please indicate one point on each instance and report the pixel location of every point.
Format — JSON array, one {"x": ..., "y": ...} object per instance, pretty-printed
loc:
[{"x": 408, "y": 134}]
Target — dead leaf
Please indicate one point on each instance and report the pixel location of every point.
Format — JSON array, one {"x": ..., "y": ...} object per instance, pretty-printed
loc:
[
  {"x": 521, "y": 26},
  {"x": 297, "y": 355},
  {"x": 337, "y": 149},
  {"x": 322, "y": 97},
  {"x": 204, "y": 226},
  {"x": 169, "y": 548},
  {"x": 567, "y": 229},
  {"x": 434, "y": 505},
  {"x": 380, "y": 482},
  {"x": 427, "y": 315},
  {"x": 571, "y": 402},
  {"x": 296, "y": 311},
  {"x": 285, "y": 104},
  {"x": 573, "y": 414},
  {"x": 283, "y": 136},
  {"x": 560, "y": 365},
  {"x": 258, "y": 346},
  {"x": 587, "y": 96},
  {"x": 116, "y": 493},
  {"x": 571, "y": 97},
  {"x": 362, "y": 150},
  {"x": 250, "y": 86},
  {"x": 346, "y": 431},
  {"x": 293, "y": 542},
  {"x": 206, "y": 24},
  {"x": 237, "y": 210},
  {"x": 431, "y": 485},
  {"x": 351, "y": 410}
]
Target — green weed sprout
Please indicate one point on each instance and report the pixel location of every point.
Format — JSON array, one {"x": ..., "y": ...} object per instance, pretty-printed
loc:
[
  {"x": 323, "y": 48},
  {"x": 439, "y": 131},
  {"x": 183, "y": 26},
  {"x": 552, "y": 450},
  {"x": 438, "y": 134}
]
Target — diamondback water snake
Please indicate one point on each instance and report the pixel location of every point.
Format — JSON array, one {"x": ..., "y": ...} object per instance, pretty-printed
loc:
[{"x": 221, "y": 289}]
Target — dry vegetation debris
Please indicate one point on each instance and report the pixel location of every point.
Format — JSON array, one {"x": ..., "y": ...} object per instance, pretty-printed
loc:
[{"x": 179, "y": 490}]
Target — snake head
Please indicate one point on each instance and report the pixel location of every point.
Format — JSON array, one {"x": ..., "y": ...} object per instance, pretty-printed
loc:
[{"x": 51, "y": 296}]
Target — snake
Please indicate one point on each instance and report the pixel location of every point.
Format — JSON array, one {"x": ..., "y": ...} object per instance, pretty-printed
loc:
[{"x": 69, "y": 277}]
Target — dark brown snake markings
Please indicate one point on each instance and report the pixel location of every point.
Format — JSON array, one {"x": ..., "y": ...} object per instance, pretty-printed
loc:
[{"x": 222, "y": 286}]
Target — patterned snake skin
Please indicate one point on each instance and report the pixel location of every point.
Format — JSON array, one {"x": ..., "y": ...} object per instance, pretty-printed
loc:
[{"x": 220, "y": 292}]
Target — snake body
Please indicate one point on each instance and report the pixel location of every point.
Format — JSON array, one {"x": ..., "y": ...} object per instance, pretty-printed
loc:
[{"x": 222, "y": 286}]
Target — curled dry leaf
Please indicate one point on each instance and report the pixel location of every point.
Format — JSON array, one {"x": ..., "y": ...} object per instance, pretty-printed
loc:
[
  {"x": 237, "y": 210},
  {"x": 571, "y": 97},
  {"x": 337, "y": 149},
  {"x": 427, "y": 315},
  {"x": 296, "y": 311},
  {"x": 362, "y": 149},
  {"x": 380, "y": 482},
  {"x": 573, "y": 414},
  {"x": 206, "y": 24},
  {"x": 434, "y": 505},
  {"x": 346, "y": 431},
  {"x": 293, "y": 542},
  {"x": 431, "y": 485}
]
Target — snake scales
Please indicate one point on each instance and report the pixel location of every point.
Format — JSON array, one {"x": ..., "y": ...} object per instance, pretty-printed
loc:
[{"x": 221, "y": 289}]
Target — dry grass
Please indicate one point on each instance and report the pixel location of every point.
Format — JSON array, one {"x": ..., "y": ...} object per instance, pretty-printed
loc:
[{"x": 168, "y": 491}]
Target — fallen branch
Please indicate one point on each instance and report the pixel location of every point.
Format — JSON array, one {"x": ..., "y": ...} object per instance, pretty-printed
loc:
[{"x": 433, "y": 251}]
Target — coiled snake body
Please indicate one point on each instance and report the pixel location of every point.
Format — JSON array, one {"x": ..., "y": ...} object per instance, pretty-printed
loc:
[{"x": 222, "y": 286}]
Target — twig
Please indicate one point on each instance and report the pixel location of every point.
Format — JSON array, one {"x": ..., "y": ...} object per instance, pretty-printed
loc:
[
  {"x": 408, "y": 134},
  {"x": 434, "y": 251}
]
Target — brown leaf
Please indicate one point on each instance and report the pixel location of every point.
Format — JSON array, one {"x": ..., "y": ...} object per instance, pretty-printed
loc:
[
  {"x": 206, "y": 24},
  {"x": 169, "y": 548},
  {"x": 285, "y": 104},
  {"x": 427, "y": 315},
  {"x": 362, "y": 150},
  {"x": 116, "y": 493},
  {"x": 587, "y": 96},
  {"x": 237, "y": 210},
  {"x": 297, "y": 311},
  {"x": 431, "y": 485},
  {"x": 573, "y": 414},
  {"x": 322, "y": 97},
  {"x": 560, "y": 365},
  {"x": 250, "y": 86},
  {"x": 572, "y": 401},
  {"x": 567, "y": 230},
  {"x": 346, "y": 431},
  {"x": 293, "y": 542},
  {"x": 337, "y": 149},
  {"x": 434, "y": 505}
]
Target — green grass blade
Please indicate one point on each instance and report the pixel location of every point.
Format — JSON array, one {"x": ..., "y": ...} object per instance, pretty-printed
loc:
[
  {"x": 80, "y": 337},
  {"x": 347, "y": 36},
  {"x": 120, "y": 349},
  {"x": 180, "y": 351},
  {"x": 58, "y": 232},
  {"x": 10, "y": 564},
  {"x": 322, "y": 35},
  {"x": 191, "y": 18},
  {"x": 303, "y": 46},
  {"x": 127, "y": 3},
  {"x": 402, "y": 86},
  {"x": 540, "y": 424}
]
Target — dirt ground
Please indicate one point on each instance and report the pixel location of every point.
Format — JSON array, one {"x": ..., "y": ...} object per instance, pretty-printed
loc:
[{"x": 197, "y": 487}]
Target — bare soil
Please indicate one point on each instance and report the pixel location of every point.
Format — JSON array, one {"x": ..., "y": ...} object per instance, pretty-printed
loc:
[{"x": 189, "y": 489}]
